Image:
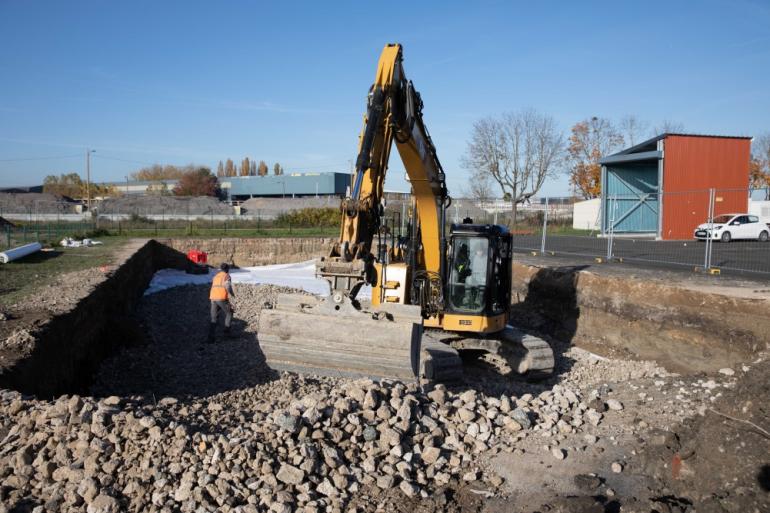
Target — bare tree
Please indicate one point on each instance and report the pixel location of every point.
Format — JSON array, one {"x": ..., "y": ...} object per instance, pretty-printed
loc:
[
  {"x": 668, "y": 127},
  {"x": 479, "y": 187},
  {"x": 518, "y": 151},
  {"x": 245, "y": 167},
  {"x": 632, "y": 129},
  {"x": 229, "y": 168}
]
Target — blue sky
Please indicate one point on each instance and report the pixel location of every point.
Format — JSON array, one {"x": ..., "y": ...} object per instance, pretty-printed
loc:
[{"x": 180, "y": 82}]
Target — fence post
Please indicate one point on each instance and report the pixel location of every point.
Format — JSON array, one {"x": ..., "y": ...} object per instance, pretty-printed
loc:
[
  {"x": 611, "y": 232},
  {"x": 709, "y": 239},
  {"x": 545, "y": 226}
]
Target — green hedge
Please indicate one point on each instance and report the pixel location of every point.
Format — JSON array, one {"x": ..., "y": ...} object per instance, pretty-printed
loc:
[{"x": 319, "y": 217}]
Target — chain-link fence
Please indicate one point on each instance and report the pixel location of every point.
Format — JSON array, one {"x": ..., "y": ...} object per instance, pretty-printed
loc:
[
  {"x": 712, "y": 229},
  {"x": 654, "y": 228}
]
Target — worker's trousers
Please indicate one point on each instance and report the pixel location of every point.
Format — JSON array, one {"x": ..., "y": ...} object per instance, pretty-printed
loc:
[{"x": 216, "y": 306}]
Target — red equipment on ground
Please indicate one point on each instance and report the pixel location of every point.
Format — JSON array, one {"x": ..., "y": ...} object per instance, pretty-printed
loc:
[{"x": 197, "y": 257}]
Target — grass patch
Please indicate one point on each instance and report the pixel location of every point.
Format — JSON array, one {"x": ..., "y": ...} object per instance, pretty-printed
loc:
[
  {"x": 219, "y": 232},
  {"x": 23, "y": 277}
]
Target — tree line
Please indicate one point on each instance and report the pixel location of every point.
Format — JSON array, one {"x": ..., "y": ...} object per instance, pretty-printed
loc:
[
  {"x": 192, "y": 179},
  {"x": 72, "y": 186},
  {"x": 247, "y": 168},
  {"x": 512, "y": 155}
]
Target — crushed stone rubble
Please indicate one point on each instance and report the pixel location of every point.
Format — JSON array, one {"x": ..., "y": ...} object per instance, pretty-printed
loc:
[
  {"x": 291, "y": 443},
  {"x": 179, "y": 425}
]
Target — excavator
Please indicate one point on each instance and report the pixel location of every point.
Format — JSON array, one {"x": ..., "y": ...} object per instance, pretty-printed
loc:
[{"x": 435, "y": 293}]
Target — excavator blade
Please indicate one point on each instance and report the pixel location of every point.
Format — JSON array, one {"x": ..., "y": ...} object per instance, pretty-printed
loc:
[{"x": 314, "y": 336}]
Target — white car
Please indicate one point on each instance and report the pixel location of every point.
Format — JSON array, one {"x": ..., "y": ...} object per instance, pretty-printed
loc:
[{"x": 727, "y": 227}]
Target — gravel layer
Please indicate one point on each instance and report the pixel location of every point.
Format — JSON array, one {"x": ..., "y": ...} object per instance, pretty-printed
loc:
[{"x": 175, "y": 424}]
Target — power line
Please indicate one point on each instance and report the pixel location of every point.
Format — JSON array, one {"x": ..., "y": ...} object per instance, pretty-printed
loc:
[
  {"x": 41, "y": 158},
  {"x": 101, "y": 156},
  {"x": 323, "y": 166}
]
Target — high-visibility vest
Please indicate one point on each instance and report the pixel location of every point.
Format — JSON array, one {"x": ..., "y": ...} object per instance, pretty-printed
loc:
[{"x": 219, "y": 287}]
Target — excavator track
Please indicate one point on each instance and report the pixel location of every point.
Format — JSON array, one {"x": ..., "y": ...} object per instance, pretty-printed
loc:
[
  {"x": 525, "y": 354},
  {"x": 305, "y": 334}
]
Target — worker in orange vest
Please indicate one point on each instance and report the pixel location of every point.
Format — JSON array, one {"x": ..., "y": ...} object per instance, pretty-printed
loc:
[{"x": 221, "y": 292}]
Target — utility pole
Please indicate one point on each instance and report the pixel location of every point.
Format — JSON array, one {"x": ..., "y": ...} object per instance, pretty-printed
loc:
[{"x": 88, "y": 177}]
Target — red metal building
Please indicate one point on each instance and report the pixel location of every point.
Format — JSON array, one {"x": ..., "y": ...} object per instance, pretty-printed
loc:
[{"x": 661, "y": 187}]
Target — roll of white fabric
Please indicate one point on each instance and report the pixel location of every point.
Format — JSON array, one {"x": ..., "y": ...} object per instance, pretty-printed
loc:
[{"x": 10, "y": 255}]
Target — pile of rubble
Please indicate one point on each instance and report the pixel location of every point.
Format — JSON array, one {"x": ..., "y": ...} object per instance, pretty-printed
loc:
[
  {"x": 292, "y": 443},
  {"x": 187, "y": 426},
  {"x": 164, "y": 206},
  {"x": 35, "y": 203}
]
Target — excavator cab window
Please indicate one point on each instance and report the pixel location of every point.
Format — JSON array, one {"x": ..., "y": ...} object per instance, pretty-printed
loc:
[{"x": 468, "y": 274}]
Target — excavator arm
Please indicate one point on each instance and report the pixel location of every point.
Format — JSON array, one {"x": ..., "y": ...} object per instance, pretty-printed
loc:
[{"x": 394, "y": 114}]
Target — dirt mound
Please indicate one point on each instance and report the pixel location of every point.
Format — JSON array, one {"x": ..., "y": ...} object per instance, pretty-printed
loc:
[
  {"x": 719, "y": 460},
  {"x": 35, "y": 202},
  {"x": 164, "y": 205}
]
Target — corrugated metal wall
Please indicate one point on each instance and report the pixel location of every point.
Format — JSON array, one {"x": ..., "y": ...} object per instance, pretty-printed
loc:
[{"x": 692, "y": 165}]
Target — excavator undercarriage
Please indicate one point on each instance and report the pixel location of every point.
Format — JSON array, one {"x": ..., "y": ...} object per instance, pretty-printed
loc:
[{"x": 311, "y": 335}]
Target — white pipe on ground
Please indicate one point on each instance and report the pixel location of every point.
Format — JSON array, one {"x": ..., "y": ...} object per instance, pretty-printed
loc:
[{"x": 13, "y": 254}]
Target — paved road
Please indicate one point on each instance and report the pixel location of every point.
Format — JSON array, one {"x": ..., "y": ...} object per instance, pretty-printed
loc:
[{"x": 744, "y": 256}]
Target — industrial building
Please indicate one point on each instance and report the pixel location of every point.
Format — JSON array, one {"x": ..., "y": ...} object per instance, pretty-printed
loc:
[
  {"x": 238, "y": 188},
  {"x": 142, "y": 187},
  {"x": 661, "y": 187}
]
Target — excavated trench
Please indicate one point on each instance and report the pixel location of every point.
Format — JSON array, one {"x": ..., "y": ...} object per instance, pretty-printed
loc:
[
  {"x": 67, "y": 348},
  {"x": 607, "y": 315},
  {"x": 169, "y": 399}
]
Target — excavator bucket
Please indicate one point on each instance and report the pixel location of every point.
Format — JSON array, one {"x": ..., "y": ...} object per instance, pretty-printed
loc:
[{"x": 315, "y": 336}]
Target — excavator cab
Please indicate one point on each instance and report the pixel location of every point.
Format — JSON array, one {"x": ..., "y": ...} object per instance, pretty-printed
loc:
[{"x": 478, "y": 285}]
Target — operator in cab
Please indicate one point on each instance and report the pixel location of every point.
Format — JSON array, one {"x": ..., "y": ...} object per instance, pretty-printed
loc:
[{"x": 220, "y": 294}]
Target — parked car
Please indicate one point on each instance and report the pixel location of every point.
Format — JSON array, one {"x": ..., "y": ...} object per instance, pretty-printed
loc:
[{"x": 727, "y": 227}]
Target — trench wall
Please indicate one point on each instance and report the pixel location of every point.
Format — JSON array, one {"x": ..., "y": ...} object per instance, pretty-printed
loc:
[
  {"x": 69, "y": 347},
  {"x": 251, "y": 252},
  {"x": 685, "y": 330}
]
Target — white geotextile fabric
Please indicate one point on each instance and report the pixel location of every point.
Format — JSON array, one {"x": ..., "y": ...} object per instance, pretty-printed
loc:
[{"x": 299, "y": 275}]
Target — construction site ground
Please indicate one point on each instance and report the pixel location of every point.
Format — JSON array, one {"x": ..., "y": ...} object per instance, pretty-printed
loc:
[{"x": 167, "y": 422}]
